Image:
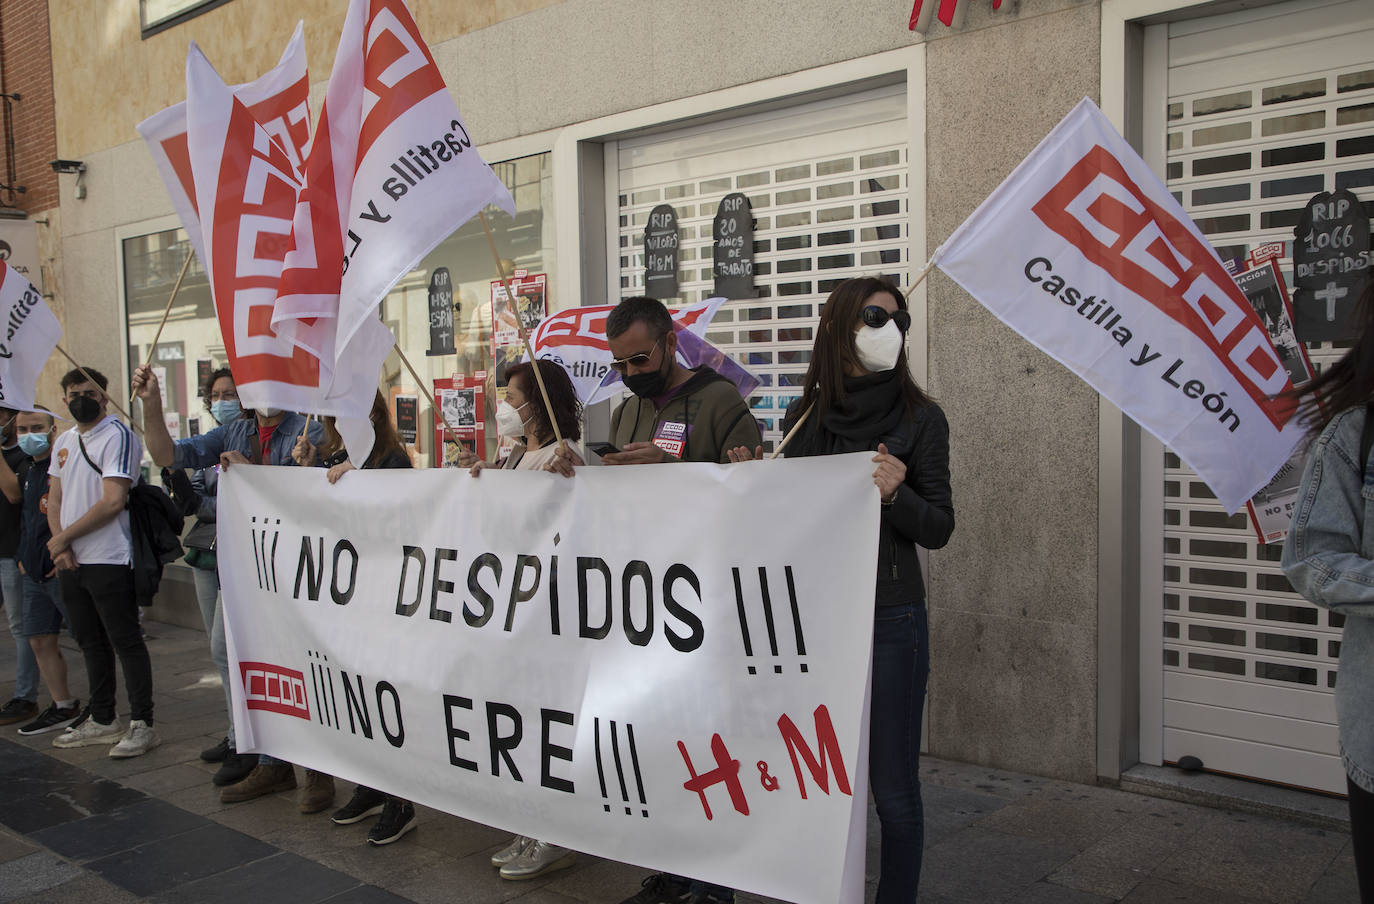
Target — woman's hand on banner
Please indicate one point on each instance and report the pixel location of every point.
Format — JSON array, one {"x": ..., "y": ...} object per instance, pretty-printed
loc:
[
  {"x": 477, "y": 468},
  {"x": 226, "y": 459},
  {"x": 742, "y": 453},
  {"x": 338, "y": 470},
  {"x": 890, "y": 474},
  {"x": 304, "y": 452},
  {"x": 565, "y": 458}
]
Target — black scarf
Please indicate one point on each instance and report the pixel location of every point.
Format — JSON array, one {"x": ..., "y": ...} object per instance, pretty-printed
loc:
[{"x": 874, "y": 409}]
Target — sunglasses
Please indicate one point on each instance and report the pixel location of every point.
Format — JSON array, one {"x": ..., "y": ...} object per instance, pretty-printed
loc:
[
  {"x": 875, "y": 317},
  {"x": 640, "y": 360}
]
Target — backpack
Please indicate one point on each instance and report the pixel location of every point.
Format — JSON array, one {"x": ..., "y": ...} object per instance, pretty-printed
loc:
[{"x": 155, "y": 525}]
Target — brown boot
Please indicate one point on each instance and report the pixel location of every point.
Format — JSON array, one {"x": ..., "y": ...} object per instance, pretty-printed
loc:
[
  {"x": 261, "y": 781},
  {"x": 318, "y": 792}
]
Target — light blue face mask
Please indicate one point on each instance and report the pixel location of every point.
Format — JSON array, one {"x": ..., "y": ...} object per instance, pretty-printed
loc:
[
  {"x": 33, "y": 444},
  {"x": 226, "y": 410}
]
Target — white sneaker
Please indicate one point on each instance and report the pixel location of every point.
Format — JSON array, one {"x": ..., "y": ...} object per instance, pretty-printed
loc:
[
  {"x": 87, "y": 732},
  {"x": 140, "y": 739},
  {"x": 511, "y": 851},
  {"x": 537, "y": 859}
]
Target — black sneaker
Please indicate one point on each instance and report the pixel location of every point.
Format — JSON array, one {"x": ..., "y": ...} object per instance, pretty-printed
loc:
[
  {"x": 52, "y": 718},
  {"x": 660, "y": 888},
  {"x": 708, "y": 897},
  {"x": 17, "y": 710},
  {"x": 217, "y": 753},
  {"x": 365, "y": 802},
  {"x": 235, "y": 768},
  {"x": 398, "y": 817}
]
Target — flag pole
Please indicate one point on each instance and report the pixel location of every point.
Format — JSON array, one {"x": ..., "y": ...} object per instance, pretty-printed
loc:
[
  {"x": 190, "y": 252},
  {"x": 424, "y": 388},
  {"x": 92, "y": 381},
  {"x": 790, "y": 433},
  {"x": 520, "y": 326},
  {"x": 925, "y": 271}
]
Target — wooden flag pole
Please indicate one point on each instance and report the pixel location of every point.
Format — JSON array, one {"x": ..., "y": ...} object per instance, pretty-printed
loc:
[
  {"x": 520, "y": 326},
  {"x": 925, "y": 271},
  {"x": 92, "y": 381},
  {"x": 424, "y": 388},
  {"x": 165, "y": 311}
]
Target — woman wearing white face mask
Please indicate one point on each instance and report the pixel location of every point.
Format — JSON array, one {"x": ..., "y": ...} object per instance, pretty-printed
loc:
[
  {"x": 862, "y": 398},
  {"x": 522, "y": 415}
]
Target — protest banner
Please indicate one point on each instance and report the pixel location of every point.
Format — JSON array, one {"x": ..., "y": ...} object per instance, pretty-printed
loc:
[
  {"x": 1083, "y": 251},
  {"x": 665, "y": 665},
  {"x": 575, "y": 339},
  {"x": 30, "y": 333}
]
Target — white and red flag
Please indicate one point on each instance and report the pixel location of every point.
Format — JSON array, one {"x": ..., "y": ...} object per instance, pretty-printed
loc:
[
  {"x": 1083, "y": 251},
  {"x": 279, "y": 100},
  {"x": 28, "y": 334}
]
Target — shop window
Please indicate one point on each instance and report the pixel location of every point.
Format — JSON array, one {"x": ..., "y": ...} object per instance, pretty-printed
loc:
[{"x": 160, "y": 15}]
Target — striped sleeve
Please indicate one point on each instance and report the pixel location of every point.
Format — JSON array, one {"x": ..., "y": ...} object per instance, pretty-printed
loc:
[{"x": 122, "y": 454}]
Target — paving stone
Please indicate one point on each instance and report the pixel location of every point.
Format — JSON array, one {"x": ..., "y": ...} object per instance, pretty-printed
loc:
[
  {"x": 367, "y": 894},
  {"x": 1160, "y": 891},
  {"x": 12, "y": 847},
  {"x": 600, "y": 880},
  {"x": 160, "y": 866},
  {"x": 950, "y": 809},
  {"x": 471, "y": 880},
  {"x": 166, "y": 779},
  {"x": 86, "y": 889},
  {"x": 544, "y": 896},
  {"x": 1119, "y": 862},
  {"x": 279, "y": 879},
  {"x": 1254, "y": 856},
  {"x": 66, "y": 802},
  {"x": 119, "y": 830},
  {"x": 1074, "y": 820},
  {"x": 455, "y": 836},
  {"x": 983, "y": 865},
  {"x": 1049, "y": 893},
  {"x": 35, "y": 873},
  {"x": 1337, "y": 885}
]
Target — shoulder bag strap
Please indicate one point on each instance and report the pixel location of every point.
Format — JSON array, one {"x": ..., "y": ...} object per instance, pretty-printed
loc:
[{"x": 86, "y": 455}]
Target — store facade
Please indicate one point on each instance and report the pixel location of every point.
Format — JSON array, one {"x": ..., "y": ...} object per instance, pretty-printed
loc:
[{"x": 1095, "y": 609}]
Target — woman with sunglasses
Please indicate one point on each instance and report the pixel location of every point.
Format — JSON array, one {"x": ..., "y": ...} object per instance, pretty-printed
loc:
[{"x": 860, "y": 397}]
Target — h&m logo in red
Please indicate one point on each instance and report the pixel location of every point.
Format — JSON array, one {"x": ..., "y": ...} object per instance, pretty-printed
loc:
[
  {"x": 274, "y": 688},
  {"x": 1100, "y": 209}
]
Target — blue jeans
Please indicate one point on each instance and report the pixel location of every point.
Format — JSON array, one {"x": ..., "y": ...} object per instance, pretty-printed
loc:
[
  {"x": 212, "y": 613},
  {"x": 26, "y": 666},
  {"x": 901, "y": 664}
]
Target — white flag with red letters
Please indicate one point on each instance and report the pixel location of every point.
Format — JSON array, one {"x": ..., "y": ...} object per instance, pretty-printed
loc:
[{"x": 1083, "y": 251}]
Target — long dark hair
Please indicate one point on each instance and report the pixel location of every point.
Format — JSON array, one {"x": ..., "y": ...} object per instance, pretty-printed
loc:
[
  {"x": 567, "y": 409},
  {"x": 386, "y": 442},
  {"x": 1349, "y": 383},
  {"x": 834, "y": 353}
]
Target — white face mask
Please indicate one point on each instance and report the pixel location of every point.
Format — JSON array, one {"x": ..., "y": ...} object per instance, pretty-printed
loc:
[
  {"x": 269, "y": 412},
  {"x": 508, "y": 420},
  {"x": 879, "y": 347}
]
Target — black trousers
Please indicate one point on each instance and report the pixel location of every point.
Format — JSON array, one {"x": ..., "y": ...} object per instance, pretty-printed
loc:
[
  {"x": 1362, "y": 838},
  {"x": 104, "y": 618}
]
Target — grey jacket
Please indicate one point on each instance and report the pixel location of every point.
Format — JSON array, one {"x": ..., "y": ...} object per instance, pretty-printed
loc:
[{"x": 1329, "y": 559}]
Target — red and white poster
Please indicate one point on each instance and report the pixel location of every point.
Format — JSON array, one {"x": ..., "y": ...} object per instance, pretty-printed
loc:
[
  {"x": 1086, "y": 254},
  {"x": 531, "y": 304},
  {"x": 460, "y": 423}
]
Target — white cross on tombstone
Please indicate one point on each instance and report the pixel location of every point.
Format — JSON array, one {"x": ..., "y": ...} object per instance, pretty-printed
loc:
[{"x": 1331, "y": 294}]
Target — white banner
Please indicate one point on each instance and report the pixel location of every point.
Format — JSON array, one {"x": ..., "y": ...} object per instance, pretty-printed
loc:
[
  {"x": 28, "y": 335},
  {"x": 1083, "y": 251},
  {"x": 665, "y": 665}
]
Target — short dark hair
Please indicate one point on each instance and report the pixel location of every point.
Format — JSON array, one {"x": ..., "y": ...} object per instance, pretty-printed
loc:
[
  {"x": 567, "y": 409},
  {"x": 82, "y": 375},
  {"x": 639, "y": 309}
]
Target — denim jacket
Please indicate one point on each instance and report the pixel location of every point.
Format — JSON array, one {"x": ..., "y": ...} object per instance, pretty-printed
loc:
[{"x": 1329, "y": 559}]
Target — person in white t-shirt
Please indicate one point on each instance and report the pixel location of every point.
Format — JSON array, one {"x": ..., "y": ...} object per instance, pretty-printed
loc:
[{"x": 94, "y": 465}]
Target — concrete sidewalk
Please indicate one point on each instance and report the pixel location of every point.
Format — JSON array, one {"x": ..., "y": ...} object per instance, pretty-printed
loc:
[{"x": 76, "y": 826}]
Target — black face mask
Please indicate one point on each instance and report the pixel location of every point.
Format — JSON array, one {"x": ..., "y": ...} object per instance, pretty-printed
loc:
[
  {"x": 84, "y": 410},
  {"x": 650, "y": 385}
]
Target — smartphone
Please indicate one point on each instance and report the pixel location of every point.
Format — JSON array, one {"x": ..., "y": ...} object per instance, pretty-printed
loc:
[{"x": 602, "y": 449}]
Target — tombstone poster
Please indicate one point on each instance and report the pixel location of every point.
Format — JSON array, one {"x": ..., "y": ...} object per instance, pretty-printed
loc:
[
  {"x": 660, "y": 253},
  {"x": 733, "y": 236},
  {"x": 440, "y": 313},
  {"x": 1330, "y": 259},
  {"x": 460, "y": 423}
]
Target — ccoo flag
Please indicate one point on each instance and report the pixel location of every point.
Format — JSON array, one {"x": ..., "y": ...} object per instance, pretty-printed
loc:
[
  {"x": 1083, "y": 251},
  {"x": 28, "y": 335}
]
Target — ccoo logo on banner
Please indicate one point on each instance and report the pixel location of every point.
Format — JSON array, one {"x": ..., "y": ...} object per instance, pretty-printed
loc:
[
  {"x": 1084, "y": 252},
  {"x": 679, "y": 690}
]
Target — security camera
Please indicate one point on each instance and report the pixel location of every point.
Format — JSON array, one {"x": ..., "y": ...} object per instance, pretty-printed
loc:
[{"x": 68, "y": 166}]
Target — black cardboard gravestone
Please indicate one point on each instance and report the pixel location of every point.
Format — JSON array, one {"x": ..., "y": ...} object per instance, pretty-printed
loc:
[
  {"x": 733, "y": 236},
  {"x": 660, "y": 253},
  {"x": 1330, "y": 257},
  {"x": 440, "y": 313}
]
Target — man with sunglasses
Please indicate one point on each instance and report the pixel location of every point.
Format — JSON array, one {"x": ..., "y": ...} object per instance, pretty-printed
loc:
[{"x": 676, "y": 414}]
